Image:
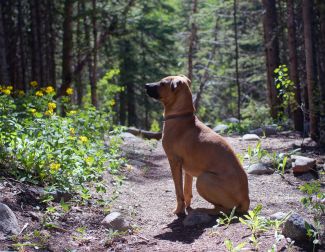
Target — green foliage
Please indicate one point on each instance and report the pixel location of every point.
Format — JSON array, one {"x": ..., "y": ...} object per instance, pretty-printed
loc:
[
  {"x": 255, "y": 115},
  {"x": 232, "y": 248},
  {"x": 256, "y": 154},
  {"x": 314, "y": 201},
  {"x": 60, "y": 153},
  {"x": 225, "y": 219},
  {"x": 155, "y": 126},
  {"x": 286, "y": 90}
]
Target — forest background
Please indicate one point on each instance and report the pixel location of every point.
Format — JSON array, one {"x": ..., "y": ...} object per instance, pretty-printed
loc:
[{"x": 259, "y": 61}]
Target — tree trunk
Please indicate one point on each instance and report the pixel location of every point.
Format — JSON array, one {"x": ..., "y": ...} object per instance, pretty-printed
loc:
[
  {"x": 67, "y": 47},
  {"x": 193, "y": 40},
  {"x": 34, "y": 43},
  {"x": 94, "y": 70},
  {"x": 236, "y": 61},
  {"x": 3, "y": 56},
  {"x": 321, "y": 74},
  {"x": 310, "y": 68},
  {"x": 271, "y": 52},
  {"x": 52, "y": 43},
  {"x": 203, "y": 80},
  {"x": 79, "y": 85},
  {"x": 293, "y": 66}
]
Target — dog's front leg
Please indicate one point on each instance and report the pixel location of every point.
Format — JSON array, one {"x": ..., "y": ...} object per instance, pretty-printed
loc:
[
  {"x": 188, "y": 181},
  {"x": 176, "y": 169}
]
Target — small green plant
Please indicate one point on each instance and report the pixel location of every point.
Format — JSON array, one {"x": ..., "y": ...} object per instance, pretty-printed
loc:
[
  {"x": 225, "y": 219},
  {"x": 155, "y": 126},
  {"x": 232, "y": 248},
  {"x": 255, "y": 223},
  {"x": 314, "y": 201},
  {"x": 256, "y": 154}
]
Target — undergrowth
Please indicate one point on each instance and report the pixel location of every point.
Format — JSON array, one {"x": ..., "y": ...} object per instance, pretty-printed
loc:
[{"x": 60, "y": 153}]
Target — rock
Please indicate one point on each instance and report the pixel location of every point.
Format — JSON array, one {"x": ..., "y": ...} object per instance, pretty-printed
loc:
[
  {"x": 232, "y": 120},
  {"x": 220, "y": 128},
  {"x": 259, "y": 169},
  {"x": 302, "y": 164},
  {"x": 8, "y": 221},
  {"x": 116, "y": 221},
  {"x": 294, "y": 228},
  {"x": 250, "y": 137},
  {"x": 31, "y": 195},
  {"x": 196, "y": 218},
  {"x": 278, "y": 216},
  {"x": 265, "y": 130}
]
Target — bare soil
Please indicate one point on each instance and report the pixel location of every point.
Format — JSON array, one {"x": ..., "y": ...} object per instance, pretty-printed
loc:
[{"x": 147, "y": 199}]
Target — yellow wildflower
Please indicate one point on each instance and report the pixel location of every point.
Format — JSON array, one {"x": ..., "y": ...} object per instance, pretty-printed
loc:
[
  {"x": 51, "y": 106},
  {"x": 89, "y": 160},
  {"x": 10, "y": 88},
  {"x": 49, "y": 112},
  {"x": 49, "y": 89},
  {"x": 6, "y": 91},
  {"x": 21, "y": 93},
  {"x": 69, "y": 91},
  {"x": 83, "y": 139},
  {"x": 72, "y": 131},
  {"x": 55, "y": 166},
  {"x": 39, "y": 93},
  {"x": 34, "y": 84},
  {"x": 71, "y": 112},
  {"x": 0, "y": 88}
]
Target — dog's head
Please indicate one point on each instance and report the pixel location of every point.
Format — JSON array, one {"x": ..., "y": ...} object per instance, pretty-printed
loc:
[{"x": 170, "y": 89}]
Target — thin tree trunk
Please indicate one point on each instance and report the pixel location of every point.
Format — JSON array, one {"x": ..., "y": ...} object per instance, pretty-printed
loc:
[
  {"x": 94, "y": 70},
  {"x": 271, "y": 52},
  {"x": 321, "y": 74},
  {"x": 79, "y": 85},
  {"x": 39, "y": 34},
  {"x": 206, "y": 75},
  {"x": 52, "y": 43},
  {"x": 236, "y": 61},
  {"x": 193, "y": 40},
  {"x": 34, "y": 43},
  {"x": 293, "y": 66},
  {"x": 310, "y": 68},
  {"x": 67, "y": 47},
  {"x": 3, "y": 56},
  {"x": 22, "y": 85}
]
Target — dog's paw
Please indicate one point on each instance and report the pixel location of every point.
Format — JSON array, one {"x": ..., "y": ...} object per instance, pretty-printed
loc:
[{"x": 180, "y": 209}]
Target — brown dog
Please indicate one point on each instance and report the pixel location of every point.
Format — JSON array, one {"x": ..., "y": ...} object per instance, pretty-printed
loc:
[{"x": 199, "y": 151}]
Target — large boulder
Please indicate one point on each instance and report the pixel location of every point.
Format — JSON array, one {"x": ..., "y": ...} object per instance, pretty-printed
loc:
[{"x": 8, "y": 221}]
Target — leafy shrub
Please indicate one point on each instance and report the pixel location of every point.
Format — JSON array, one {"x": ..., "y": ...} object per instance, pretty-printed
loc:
[
  {"x": 255, "y": 115},
  {"x": 61, "y": 153}
]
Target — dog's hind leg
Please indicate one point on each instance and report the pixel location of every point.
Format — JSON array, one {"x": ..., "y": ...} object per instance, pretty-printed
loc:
[{"x": 211, "y": 188}]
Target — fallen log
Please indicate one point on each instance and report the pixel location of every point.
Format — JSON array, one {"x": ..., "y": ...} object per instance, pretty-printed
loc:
[{"x": 144, "y": 133}]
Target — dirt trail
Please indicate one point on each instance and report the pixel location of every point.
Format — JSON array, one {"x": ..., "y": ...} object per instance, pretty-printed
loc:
[{"x": 148, "y": 198}]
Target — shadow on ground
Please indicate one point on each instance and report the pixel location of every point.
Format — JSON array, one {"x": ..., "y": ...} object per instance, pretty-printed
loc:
[{"x": 177, "y": 232}]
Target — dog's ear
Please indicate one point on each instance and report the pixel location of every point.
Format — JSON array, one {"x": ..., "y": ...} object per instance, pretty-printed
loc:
[
  {"x": 174, "y": 84},
  {"x": 187, "y": 79}
]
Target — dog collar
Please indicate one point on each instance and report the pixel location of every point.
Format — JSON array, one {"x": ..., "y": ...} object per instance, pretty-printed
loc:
[{"x": 178, "y": 116}]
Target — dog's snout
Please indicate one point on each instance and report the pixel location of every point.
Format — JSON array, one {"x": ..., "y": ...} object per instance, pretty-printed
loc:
[{"x": 152, "y": 90}]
